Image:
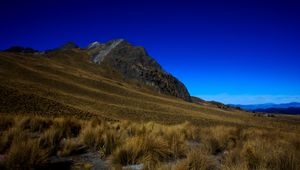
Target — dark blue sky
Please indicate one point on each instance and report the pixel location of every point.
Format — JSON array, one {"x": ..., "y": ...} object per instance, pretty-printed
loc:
[{"x": 232, "y": 51}]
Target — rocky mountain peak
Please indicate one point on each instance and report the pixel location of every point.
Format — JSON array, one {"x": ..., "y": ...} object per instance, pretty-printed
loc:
[
  {"x": 100, "y": 51},
  {"x": 94, "y": 45},
  {"x": 134, "y": 63}
]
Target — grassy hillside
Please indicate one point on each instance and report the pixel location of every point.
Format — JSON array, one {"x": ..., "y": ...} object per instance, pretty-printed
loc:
[
  {"x": 67, "y": 83},
  {"x": 58, "y": 110}
]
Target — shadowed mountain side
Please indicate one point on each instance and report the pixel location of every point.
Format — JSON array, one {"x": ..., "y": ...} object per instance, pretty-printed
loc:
[{"x": 134, "y": 63}]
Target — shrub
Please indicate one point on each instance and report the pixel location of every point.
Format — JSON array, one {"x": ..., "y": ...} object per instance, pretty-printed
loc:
[
  {"x": 267, "y": 154},
  {"x": 25, "y": 155},
  {"x": 50, "y": 139},
  {"x": 33, "y": 124},
  {"x": 69, "y": 126},
  {"x": 100, "y": 138},
  {"x": 220, "y": 138},
  {"x": 6, "y": 122},
  {"x": 197, "y": 159},
  {"x": 111, "y": 141},
  {"x": 8, "y": 137},
  {"x": 92, "y": 137},
  {"x": 142, "y": 149},
  {"x": 177, "y": 145}
]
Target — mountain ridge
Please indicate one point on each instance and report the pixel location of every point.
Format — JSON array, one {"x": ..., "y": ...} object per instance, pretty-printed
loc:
[{"x": 267, "y": 105}]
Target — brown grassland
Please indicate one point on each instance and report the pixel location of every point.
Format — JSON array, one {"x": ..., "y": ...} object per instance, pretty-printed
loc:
[
  {"x": 28, "y": 142},
  {"x": 56, "y": 104}
]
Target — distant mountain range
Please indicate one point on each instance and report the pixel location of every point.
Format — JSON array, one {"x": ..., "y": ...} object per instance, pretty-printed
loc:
[{"x": 284, "y": 108}]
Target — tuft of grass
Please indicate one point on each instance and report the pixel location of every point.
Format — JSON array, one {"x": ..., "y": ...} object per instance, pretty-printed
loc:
[
  {"x": 220, "y": 138},
  {"x": 111, "y": 141},
  {"x": 51, "y": 139},
  {"x": 70, "y": 127},
  {"x": 261, "y": 154},
  {"x": 260, "y": 149},
  {"x": 197, "y": 159},
  {"x": 177, "y": 145},
  {"x": 25, "y": 154},
  {"x": 33, "y": 124},
  {"x": 142, "y": 149},
  {"x": 8, "y": 137},
  {"x": 100, "y": 138},
  {"x": 91, "y": 136},
  {"x": 6, "y": 122}
]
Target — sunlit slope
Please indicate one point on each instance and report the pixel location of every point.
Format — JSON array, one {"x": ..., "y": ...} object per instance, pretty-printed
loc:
[{"x": 67, "y": 83}]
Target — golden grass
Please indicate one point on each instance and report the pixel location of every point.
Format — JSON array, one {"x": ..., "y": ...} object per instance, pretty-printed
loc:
[
  {"x": 261, "y": 149},
  {"x": 220, "y": 138},
  {"x": 142, "y": 149},
  {"x": 37, "y": 124},
  {"x": 100, "y": 137},
  {"x": 260, "y": 154},
  {"x": 25, "y": 154},
  {"x": 197, "y": 160},
  {"x": 152, "y": 145},
  {"x": 6, "y": 122},
  {"x": 7, "y": 137}
]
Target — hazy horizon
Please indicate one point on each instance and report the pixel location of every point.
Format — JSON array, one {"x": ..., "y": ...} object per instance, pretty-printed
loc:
[{"x": 251, "y": 99}]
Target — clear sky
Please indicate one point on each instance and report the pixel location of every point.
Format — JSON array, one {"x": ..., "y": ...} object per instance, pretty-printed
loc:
[{"x": 244, "y": 51}]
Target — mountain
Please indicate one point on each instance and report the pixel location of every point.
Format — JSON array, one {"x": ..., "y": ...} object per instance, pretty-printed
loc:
[
  {"x": 67, "y": 46},
  {"x": 114, "y": 81},
  {"x": 134, "y": 63},
  {"x": 20, "y": 49},
  {"x": 289, "y": 110},
  {"x": 267, "y": 105}
]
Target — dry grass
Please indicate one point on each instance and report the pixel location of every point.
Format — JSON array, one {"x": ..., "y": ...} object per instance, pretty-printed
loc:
[
  {"x": 69, "y": 127},
  {"x": 197, "y": 159},
  {"x": 260, "y": 154},
  {"x": 220, "y": 138},
  {"x": 142, "y": 149},
  {"x": 7, "y": 137},
  {"x": 6, "y": 122},
  {"x": 154, "y": 146},
  {"x": 100, "y": 137},
  {"x": 25, "y": 154},
  {"x": 261, "y": 149}
]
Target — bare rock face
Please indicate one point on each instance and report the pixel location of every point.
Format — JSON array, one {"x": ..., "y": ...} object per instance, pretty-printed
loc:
[{"x": 134, "y": 63}]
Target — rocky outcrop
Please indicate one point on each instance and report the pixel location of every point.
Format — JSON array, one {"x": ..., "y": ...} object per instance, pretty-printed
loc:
[{"x": 134, "y": 63}]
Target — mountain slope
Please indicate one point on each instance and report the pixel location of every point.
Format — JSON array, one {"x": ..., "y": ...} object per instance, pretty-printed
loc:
[
  {"x": 135, "y": 64},
  {"x": 65, "y": 82}
]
